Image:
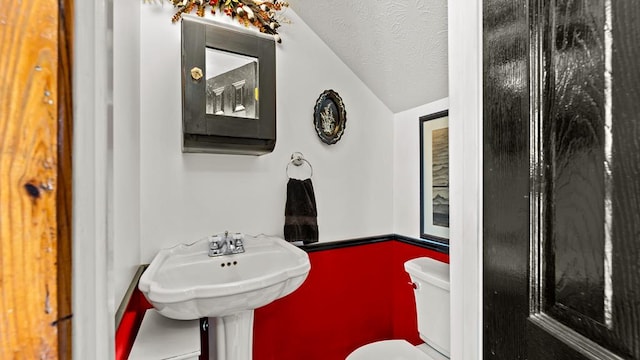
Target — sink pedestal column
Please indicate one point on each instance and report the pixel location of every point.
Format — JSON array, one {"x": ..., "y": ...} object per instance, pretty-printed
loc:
[{"x": 232, "y": 338}]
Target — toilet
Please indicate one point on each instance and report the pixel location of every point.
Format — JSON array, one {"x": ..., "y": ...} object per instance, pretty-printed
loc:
[{"x": 430, "y": 280}]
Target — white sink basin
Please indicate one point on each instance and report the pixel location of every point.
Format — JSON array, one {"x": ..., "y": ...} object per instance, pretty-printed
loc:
[{"x": 184, "y": 283}]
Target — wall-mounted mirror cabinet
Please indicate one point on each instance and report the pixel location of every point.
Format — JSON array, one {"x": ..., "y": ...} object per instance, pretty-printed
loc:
[{"x": 228, "y": 89}]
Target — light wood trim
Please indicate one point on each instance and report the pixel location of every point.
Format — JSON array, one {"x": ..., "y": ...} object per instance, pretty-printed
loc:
[{"x": 28, "y": 161}]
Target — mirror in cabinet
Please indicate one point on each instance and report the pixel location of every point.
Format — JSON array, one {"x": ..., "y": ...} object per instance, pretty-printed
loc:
[{"x": 228, "y": 92}]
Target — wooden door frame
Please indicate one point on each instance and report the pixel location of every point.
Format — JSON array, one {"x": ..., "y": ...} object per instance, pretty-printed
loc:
[
  {"x": 93, "y": 318},
  {"x": 465, "y": 151},
  {"x": 64, "y": 174},
  {"x": 37, "y": 150},
  {"x": 29, "y": 271}
]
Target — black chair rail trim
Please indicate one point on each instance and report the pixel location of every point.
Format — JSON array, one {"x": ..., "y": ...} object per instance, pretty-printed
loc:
[{"x": 424, "y": 243}]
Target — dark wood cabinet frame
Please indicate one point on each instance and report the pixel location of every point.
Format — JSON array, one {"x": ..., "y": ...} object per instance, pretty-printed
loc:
[{"x": 211, "y": 133}]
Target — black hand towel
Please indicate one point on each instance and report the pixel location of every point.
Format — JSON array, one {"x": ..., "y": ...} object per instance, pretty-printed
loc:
[{"x": 300, "y": 214}]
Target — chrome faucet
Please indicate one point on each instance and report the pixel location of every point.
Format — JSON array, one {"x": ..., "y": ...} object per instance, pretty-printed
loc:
[{"x": 224, "y": 244}]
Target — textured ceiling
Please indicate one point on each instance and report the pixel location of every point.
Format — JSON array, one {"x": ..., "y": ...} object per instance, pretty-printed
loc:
[{"x": 398, "y": 48}]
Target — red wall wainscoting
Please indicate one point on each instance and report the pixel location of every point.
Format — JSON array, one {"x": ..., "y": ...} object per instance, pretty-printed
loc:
[
  {"x": 353, "y": 296},
  {"x": 130, "y": 323}
]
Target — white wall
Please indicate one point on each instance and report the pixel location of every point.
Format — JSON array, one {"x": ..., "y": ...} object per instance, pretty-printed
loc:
[
  {"x": 125, "y": 202},
  {"x": 406, "y": 167},
  {"x": 184, "y": 197}
]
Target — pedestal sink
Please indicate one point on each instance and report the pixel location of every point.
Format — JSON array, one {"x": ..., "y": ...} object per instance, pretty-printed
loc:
[{"x": 184, "y": 283}]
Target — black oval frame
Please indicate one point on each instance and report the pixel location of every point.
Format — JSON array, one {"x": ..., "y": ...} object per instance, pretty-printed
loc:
[{"x": 325, "y": 97}]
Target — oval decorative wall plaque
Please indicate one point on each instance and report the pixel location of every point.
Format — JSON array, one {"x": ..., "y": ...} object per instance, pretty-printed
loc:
[{"x": 329, "y": 117}]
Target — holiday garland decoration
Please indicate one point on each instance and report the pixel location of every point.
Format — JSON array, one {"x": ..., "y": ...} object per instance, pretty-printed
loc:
[{"x": 261, "y": 14}]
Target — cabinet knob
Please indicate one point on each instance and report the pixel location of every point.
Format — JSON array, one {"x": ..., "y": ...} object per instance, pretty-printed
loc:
[{"x": 196, "y": 73}]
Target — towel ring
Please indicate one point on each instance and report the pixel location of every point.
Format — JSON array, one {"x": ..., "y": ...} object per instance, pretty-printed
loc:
[{"x": 298, "y": 159}]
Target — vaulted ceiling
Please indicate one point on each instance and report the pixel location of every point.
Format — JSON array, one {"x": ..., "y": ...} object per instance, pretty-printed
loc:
[{"x": 398, "y": 48}]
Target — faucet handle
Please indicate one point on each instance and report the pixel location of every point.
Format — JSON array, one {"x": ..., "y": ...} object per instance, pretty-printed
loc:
[
  {"x": 238, "y": 238},
  {"x": 214, "y": 242},
  {"x": 214, "y": 245}
]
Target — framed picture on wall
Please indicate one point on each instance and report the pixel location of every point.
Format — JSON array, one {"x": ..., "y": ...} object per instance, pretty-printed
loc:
[{"x": 434, "y": 177}]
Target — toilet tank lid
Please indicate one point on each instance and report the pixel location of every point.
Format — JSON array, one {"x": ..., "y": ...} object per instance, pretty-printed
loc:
[{"x": 429, "y": 270}]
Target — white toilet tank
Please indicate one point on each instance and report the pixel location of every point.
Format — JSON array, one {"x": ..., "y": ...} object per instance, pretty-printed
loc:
[{"x": 432, "y": 301}]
